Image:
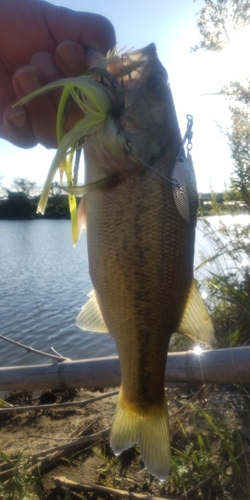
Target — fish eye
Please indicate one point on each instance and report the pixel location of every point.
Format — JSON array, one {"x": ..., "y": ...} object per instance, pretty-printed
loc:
[{"x": 157, "y": 85}]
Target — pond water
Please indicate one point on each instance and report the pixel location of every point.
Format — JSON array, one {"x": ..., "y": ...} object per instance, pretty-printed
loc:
[{"x": 44, "y": 282}]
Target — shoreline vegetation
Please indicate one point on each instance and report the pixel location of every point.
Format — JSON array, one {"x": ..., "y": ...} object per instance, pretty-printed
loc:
[
  {"x": 20, "y": 204},
  {"x": 18, "y": 207}
]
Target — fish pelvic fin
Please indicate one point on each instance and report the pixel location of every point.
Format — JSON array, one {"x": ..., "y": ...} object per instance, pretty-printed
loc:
[
  {"x": 90, "y": 317},
  {"x": 147, "y": 428},
  {"x": 195, "y": 322}
]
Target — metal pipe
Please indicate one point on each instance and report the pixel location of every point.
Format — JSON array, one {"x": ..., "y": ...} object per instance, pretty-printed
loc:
[{"x": 218, "y": 366}]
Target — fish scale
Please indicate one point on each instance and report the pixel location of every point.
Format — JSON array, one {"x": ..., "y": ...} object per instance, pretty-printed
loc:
[{"x": 141, "y": 281}]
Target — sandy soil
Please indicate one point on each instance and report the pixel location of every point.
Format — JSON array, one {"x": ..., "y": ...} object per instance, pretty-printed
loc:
[
  {"x": 94, "y": 463},
  {"x": 33, "y": 432}
]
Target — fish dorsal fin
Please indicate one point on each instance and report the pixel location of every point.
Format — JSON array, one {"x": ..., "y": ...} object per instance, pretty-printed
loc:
[
  {"x": 184, "y": 189},
  {"x": 90, "y": 317},
  {"x": 195, "y": 322}
]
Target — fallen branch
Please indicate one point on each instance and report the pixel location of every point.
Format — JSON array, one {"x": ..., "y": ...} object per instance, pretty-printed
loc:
[
  {"x": 72, "y": 485},
  {"x": 45, "y": 459},
  {"x": 54, "y": 406},
  {"x": 63, "y": 481},
  {"x": 58, "y": 353},
  {"x": 57, "y": 358},
  {"x": 74, "y": 445}
]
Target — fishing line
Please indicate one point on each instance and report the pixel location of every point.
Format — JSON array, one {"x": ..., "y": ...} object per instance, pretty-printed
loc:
[
  {"x": 171, "y": 181},
  {"x": 180, "y": 157}
]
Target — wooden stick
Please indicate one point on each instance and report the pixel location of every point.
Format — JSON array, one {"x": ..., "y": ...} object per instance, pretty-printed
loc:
[
  {"x": 57, "y": 358},
  {"x": 44, "y": 459},
  {"x": 66, "y": 449},
  {"x": 54, "y": 406},
  {"x": 63, "y": 481}
]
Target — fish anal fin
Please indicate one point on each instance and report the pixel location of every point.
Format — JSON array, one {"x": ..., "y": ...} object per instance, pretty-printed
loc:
[
  {"x": 195, "y": 322},
  {"x": 90, "y": 317},
  {"x": 149, "y": 429}
]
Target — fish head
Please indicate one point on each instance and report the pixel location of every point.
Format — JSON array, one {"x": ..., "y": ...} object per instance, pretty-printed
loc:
[
  {"x": 143, "y": 122},
  {"x": 148, "y": 117}
]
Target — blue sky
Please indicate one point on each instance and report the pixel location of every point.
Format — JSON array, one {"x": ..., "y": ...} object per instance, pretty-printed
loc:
[{"x": 171, "y": 25}]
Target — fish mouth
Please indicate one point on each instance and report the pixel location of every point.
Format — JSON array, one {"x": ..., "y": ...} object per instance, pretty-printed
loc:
[
  {"x": 111, "y": 87},
  {"x": 116, "y": 71},
  {"x": 121, "y": 66},
  {"x": 131, "y": 62}
]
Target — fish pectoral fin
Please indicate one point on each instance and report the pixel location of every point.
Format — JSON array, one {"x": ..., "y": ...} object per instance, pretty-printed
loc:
[
  {"x": 90, "y": 317},
  {"x": 81, "y": 215},
  {"x": 195, "y": 322},
  {"x": 148, "y": 429},
  {"x": 103, "y": 184}
]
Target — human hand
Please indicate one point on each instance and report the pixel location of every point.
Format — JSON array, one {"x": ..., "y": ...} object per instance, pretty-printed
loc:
[{"x": 40, "y": 43}]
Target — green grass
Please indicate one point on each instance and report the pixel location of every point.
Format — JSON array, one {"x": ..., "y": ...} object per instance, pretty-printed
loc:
[
  {"x": 210, "y": 459},
  {"x": 228, "y": 285},
  {"x": 18, "y": 486},
  {"x": 104, "y": 452}
]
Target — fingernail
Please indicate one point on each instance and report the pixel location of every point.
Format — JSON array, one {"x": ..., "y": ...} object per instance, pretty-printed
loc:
[
  {"x": 18, "y": 117},
  {"x": 27, "y": 79},
  {"x": 69, "y": 56},
  {"x": 45, "y": 66}
]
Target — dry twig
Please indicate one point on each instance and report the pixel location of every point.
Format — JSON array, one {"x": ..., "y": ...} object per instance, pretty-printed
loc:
[
  {"x": 72, "y": 485},
  {"x": 54, "y": 406},
  {"x": 57, "y": 358},
  {"x": 45, "y": 459}
]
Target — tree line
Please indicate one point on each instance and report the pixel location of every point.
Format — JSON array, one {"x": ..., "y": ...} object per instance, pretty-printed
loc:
[{"x": 20, "y": 202}]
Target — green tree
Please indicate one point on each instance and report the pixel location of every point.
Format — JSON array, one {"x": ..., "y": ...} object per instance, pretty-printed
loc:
[
  {"x": 218, "y": 21},
  {"x": 239, "y": 143},
  {"x": 24, "y": 186}
]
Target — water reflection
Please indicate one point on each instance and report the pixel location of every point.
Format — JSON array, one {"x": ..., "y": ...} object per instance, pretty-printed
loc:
[{"x": 44, "y": 282}]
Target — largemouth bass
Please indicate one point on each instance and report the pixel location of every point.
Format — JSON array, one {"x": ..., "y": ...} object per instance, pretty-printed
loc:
[
  {"x": 140, "y": 236},
  {"x": 139, "y": 206}
]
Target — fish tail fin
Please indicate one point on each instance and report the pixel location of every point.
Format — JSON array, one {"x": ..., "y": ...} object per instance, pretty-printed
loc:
[{"x": 149, "y": 429}]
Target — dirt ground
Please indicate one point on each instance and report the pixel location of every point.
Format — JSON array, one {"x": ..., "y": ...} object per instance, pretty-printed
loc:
[
  {"x": 34, "y": 432},
  {"x": 37, "y": 431},
  {"x": 42, "y": 437}
]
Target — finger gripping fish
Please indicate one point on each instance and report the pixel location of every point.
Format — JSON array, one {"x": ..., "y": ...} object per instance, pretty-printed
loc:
[{"x": 139, "y": 207}]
